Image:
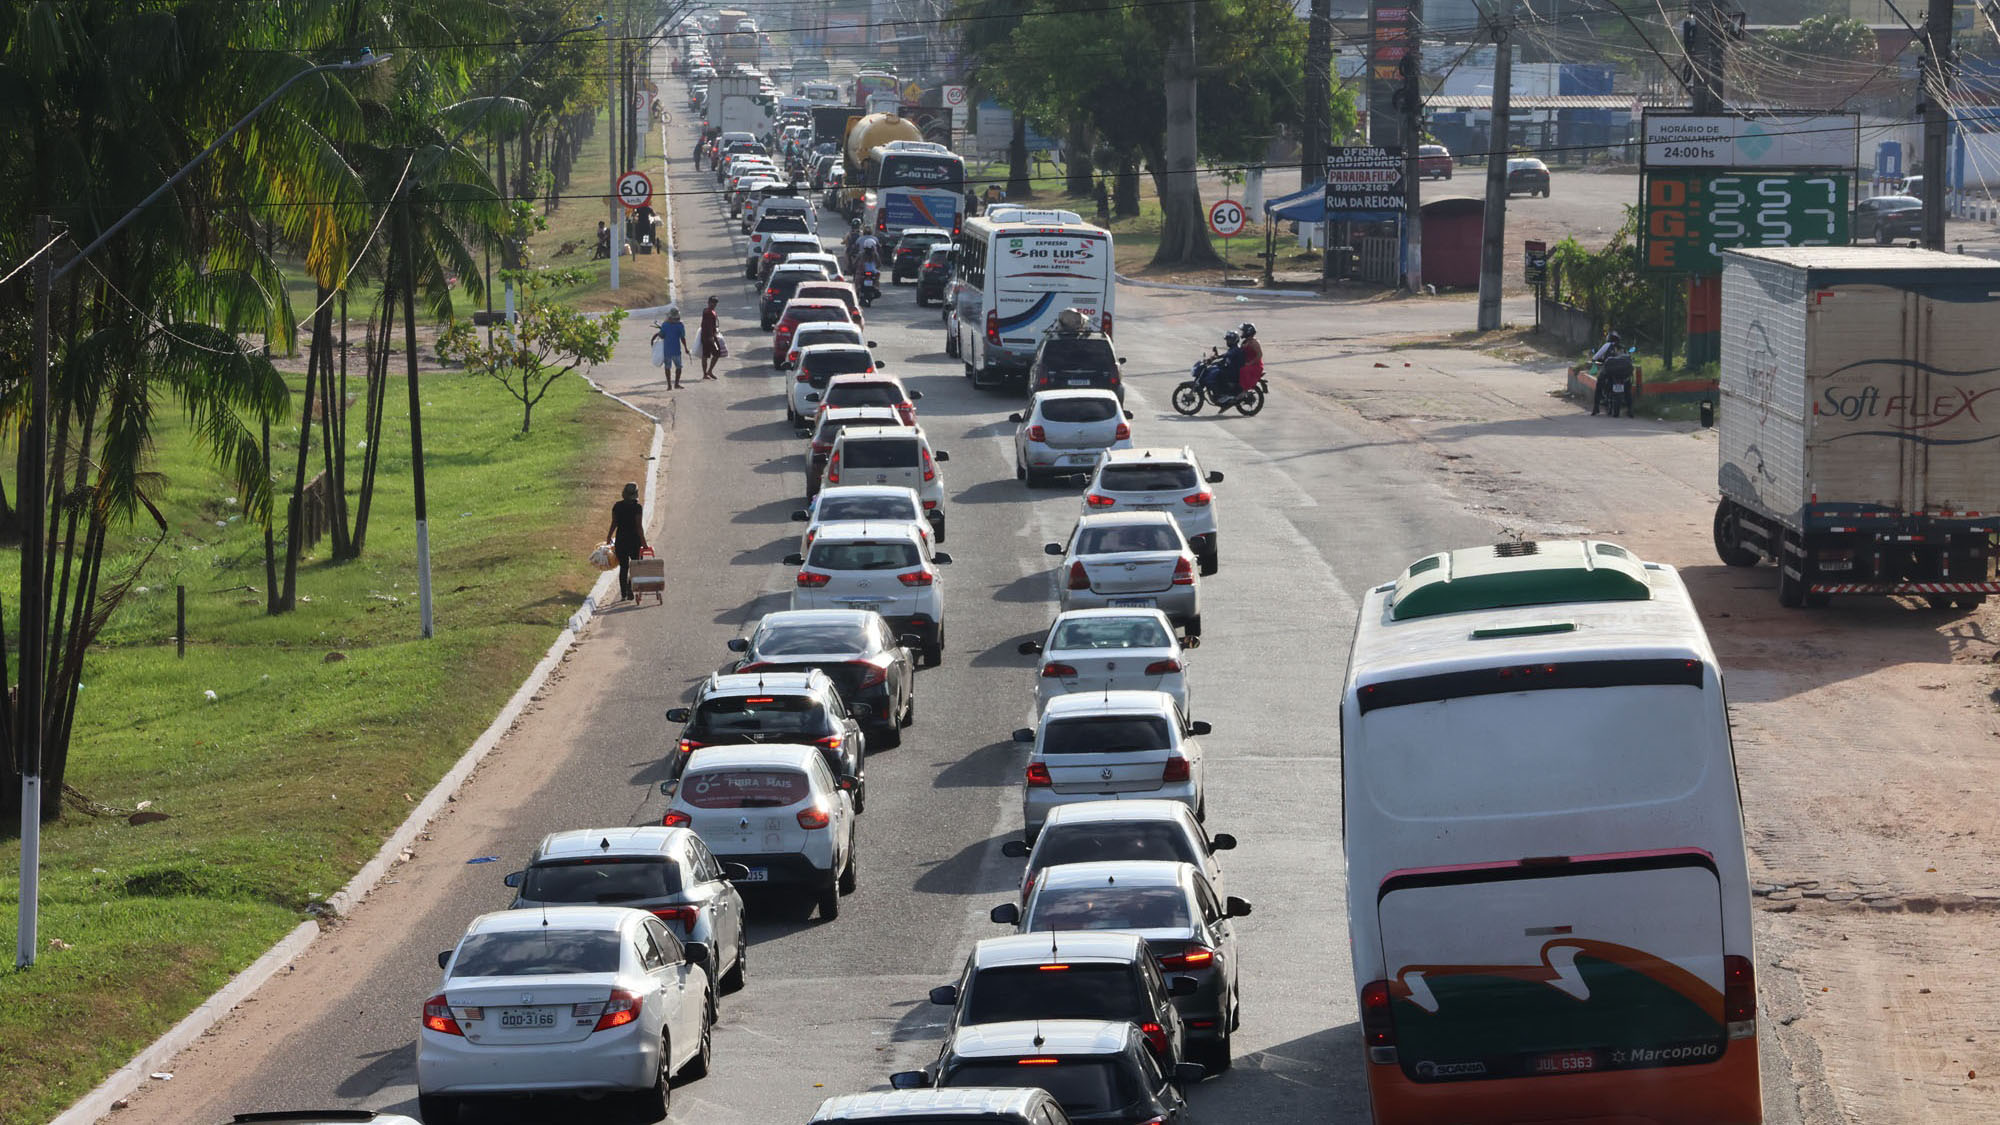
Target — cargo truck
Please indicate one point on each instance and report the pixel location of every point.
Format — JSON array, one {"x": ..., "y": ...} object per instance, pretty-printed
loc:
[
  {"x": 737, "y": 104},
  {"x": 1859, "y": 431}
]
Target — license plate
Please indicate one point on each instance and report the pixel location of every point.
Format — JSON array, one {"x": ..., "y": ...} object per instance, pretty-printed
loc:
[
  {"x": 1566, "y": 1062},
  {"x": 1617, "y": 388},
  {"x": 1149, "y": 507},
  {"x": 860, "y": 603},
  {"x": 1080, "y": 459},
  {"x": 1079, "y": 382},
  {"x": 1135, "y": 603},
  {"x": 1835, "y": 564},
  {"x": 757, "y": 875},
  {"x": 527, "y": 1017}
]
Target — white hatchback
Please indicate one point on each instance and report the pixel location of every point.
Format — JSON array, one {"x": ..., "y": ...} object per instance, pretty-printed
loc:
[
  {"x": 1110, "y": 746},
  {"x": 875, "y": 503},
  {"x": 775, "y": 809},
  {"x": 824, "y": 332},
  {"x": 569, "y": 999},
  {"x": 887, "y": 567},
  {"x": 1067, "y": 432},
  {"x": 817, "y": 365},
  {"x": 1160, "y": 479},
  {"x": 1090, "y": 650}
]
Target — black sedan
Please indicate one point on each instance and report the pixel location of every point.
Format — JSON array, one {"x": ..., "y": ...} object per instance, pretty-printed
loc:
[
  {"x": 1887, "y": 218},
  {"x": 874, "y": 670},
  {"x": 934, "y": 275},
  {"x": 798, "y": 708},
  {"x": 1527, "y": 175},
  {"x": 911, "y": 248}
]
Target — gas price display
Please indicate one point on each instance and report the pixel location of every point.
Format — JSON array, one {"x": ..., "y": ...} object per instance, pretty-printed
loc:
[{"x": 1690, "y": 218}]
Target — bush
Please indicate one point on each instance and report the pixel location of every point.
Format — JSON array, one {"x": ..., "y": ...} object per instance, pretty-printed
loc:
[{"x": 1609, "y": 285}]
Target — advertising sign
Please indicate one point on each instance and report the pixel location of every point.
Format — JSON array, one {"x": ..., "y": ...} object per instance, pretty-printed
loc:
[
  {"x": 1535, "y": 262},
  {"x": 1688, "y": 218},
  {"x": 1364, "y": 179},
  {"x": 1392, "y": 35},
  {"x": 1798, "y": 140}
]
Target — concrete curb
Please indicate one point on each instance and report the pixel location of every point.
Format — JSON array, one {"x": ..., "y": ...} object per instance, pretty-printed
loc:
[{"x": 1244, "y": 293}]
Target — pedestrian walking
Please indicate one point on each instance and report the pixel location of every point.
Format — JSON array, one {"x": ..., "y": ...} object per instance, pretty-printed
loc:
[
  {"x": 673, "y": 338},
  {"x": 627, "y": 536},
  {"x": 711, "y": 339}
]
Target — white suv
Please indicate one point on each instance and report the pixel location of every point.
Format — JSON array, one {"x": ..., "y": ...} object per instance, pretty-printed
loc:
[
  {"x": 1110, "y": 746},
  {"x": 1160, "y": 480},
  {"x": 775, "y": 809},
  {"x": 1064, "y": 432},
  {"x": 891, "y": 455},
  {"x": 886, "y": 567},
  {"x": 817, "y": 364}
]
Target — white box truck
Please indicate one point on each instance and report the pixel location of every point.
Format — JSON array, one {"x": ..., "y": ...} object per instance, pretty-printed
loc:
[
  {"x": 740, "y": 106},
  {"x": 1860, "y": 424}
]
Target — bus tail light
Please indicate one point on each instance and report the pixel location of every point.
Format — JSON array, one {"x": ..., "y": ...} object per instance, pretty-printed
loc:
[
  {"x": 1378, "y": 1027},
  {"x": 992, "y": 326},
  {"x": 1739, "y": 997}
]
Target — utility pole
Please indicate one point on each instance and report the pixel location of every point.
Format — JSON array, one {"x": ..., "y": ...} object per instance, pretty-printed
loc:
[
  {"x": 1702, "y": 38},
  {"x": 1493, "y": 233},
  {"x": 32, "y": 488},
  {"x": 1413, "y": 130},
  {"x": 1938, "y": 68},
  {"x": 1319, "y": 93},
  {"x": 611, "y": 147}
]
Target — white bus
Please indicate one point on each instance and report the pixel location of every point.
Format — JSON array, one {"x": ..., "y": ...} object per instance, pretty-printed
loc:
[
  {"x": 1016, "y": 270},
  {"x": 1547, "y": 893}
]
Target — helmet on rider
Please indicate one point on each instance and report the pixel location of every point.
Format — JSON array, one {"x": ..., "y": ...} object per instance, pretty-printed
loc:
[
  {"x": 854, "y": 224},
  {"x": 1248, "y": 330},
  {"x": 1229, "y": 338}
]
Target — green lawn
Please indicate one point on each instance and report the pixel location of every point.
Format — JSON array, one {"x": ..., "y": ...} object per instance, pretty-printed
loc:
[
  {"x": 287, "y": 781},
  {"x": 571, "y": 236}
]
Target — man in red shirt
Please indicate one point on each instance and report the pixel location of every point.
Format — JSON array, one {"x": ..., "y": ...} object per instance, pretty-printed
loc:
[{"x": 711, "y": 339}]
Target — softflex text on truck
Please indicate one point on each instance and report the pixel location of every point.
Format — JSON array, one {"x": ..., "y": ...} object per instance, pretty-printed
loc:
[{"x": 1858, "y": 433}]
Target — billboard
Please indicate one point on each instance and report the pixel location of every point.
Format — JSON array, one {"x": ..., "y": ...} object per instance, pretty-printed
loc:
[
  {"x": 1773, "y": 141},
  {"x": 1364, "y": 180},
  {"x": 1392, "y": 39}
]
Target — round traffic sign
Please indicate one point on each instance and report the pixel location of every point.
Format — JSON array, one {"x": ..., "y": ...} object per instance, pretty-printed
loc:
[
  {"x": 954, "y": 95},
  {"x": 634, "y": 189},
  {"x": 1227, "y": 218}
]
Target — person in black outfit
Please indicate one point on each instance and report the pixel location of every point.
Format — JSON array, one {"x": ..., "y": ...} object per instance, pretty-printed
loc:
[{"x": 627, "y": 536}]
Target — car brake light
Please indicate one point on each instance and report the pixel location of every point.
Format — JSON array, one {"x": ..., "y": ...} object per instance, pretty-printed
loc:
[
  {"x": 1106, "y": 321},
  {"x": 689, "y": 745},
  {"x": 1193, "y": 957},
  {"x": 1042, "y": 1061},
  {"x": 1053, "y": 669},
  {"x": 1378, "y": 1027},
  {"x": 871, "y": 674},
  {"x": 992, "y": 326},
  {"x": 437, "y": 1016},
  {"x": 814, "y": 817},
  {"x": 1739, "y": 997},
  {"x": 1183, "y": 571},
  {"x": 770, "y": 293},
  {"x": 1198, "y": 500},
  {"x": 682, "y": 916},
  {"x": 1177, "y": 769},
  {"x": 1079, "y": 579},
  {"x": 1038, "y": 778},
  {"x": 833, "y": 469},
  {"x": 621, "y": 1009},
  {"x": 803, "y": 377},
  {"x": 813, "y": 581},
  {"x": 1124, "y": 431},
  {"x": 1036, "y": 433},
  {"x": 1156, "y": 1037},
  {"x": 675, "y": 818},
  {"x": 830, "y": 742},
  {"x": 930, "y": 470},
  {"x": 930, "y": 504},
  {"x": 916, "y": 578},
  {"x": 1163, "y": 667},
  {"x": 1096, "y": 501}
]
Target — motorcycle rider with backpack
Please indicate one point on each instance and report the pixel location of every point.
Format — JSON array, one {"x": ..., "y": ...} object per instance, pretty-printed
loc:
[{"x": 1614, "y": 366}]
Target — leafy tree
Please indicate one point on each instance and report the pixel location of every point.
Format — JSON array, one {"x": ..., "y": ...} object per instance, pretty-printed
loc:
[
  {"x": 549, "y": 340},
  {"x": 1826, "y": 36}
]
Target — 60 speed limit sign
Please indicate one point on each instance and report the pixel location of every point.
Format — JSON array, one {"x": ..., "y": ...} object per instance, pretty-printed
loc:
[
  {"x": 634, "y": 189},
  {"x": 1227, "y": 218}
]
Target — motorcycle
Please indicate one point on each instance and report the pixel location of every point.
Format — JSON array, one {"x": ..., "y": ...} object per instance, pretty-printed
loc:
[
  {"x": 1618, "y": 393},
  {"x": 1200, "y": 388},
  {"x": 870, "y": 286}
]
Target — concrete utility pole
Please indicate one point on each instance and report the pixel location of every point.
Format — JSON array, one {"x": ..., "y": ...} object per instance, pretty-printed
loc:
[
  {"x": 1413, "y": 131},
  {"x": 1938, "y": 67},
  {"x": 1704, "y": 37},
  {"x": 1493, "y": 232},
  {"x": 1319, "y": 93},
  {"x": 611, "y": 147}
]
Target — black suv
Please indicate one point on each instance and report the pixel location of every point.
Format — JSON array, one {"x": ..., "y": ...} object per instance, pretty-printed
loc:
[
  {"x": 1081, "y": 359},
  {"x": 1100, "y": 1071},
  {"x": 792, "y": 707}
]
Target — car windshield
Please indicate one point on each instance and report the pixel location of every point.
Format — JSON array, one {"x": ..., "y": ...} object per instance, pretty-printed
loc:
[
  {"x": 880, "y": 455},
  {"x": 1079, "y": 409},
  {"x": 892, "y": 555},
  {"x": 758, "y": 714},
  {"x": 540, "y": 951},
  {"x": 1083, "y": 353},
  {"x": 865, "y": 508},
  {"x": 1132, "y": 839},
  {"x": 1106, "y": 734},
  {"x": 1130, "y": 537},
  {"x": 808, "y": 640},
  {"x": 744, "y": 789},
  {"x": 1109, "y": 907},
  {"x": 1147, "y": 478},
  {"x": 609, "y": 879},
  {"x": 1110, "y": 632},
  {"x": 862, "y": 394},
  {"x": 1086, "y": 1085},
  {"x": 1074, "y": 992}
]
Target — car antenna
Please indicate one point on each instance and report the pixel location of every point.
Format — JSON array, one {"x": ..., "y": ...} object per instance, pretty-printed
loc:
[
  {"x": 1038, "y": 1033},
  {"x": 604, "y": 842}
]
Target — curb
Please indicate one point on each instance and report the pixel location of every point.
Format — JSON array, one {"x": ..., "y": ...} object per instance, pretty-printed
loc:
[{"x": 1244, "y": 293}]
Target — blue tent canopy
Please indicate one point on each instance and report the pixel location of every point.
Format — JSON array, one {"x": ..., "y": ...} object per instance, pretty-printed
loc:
[{"x": 1307, "y": 205}]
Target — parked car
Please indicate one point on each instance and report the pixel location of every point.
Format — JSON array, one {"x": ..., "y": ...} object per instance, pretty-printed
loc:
[
  {"x": 1135, "y": 559},
  {"x": 804, "y": 708},
  {"x": 1161, "y": 479},
  {"x": 1434, "y": 162},
  {"x": 1126, "y": 649},
  {"x": 1099, "y": 1070},
  {"x": 934, "y": 275},
  {"x": 1066, "y": 432},
  {"x": 776, "y": 810},
  {"x": 887, "y": 568},
  {"x": 1527, "y": 175},
  {"x": 1111, "y": 746},
  {"x": 871, "y": 666},
  {"x": 1101, "y": 830},
  {"x": 1887, "y": 218}
]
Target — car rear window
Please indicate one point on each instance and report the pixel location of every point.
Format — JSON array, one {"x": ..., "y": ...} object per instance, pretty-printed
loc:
[
  {"x": 784, "y": 285},
  {"x": 1074, "y": 992},
  {"x": 1109, "y": 908},
  {"x": 881, "y": 453},
  {"x": 863, "y": 556},
  {"x": 823, "y": 335},
  {"x": 1110, "y": 632},
  {"x": 809, "y": 640},
  {"x": 744, "y": 789},
  {"x": 1082, "y": 1085},
  {"x": 1147, "y": 478},
  {"x": 1079, "y": 409},
  {"x": 918, "y": 241},
  {"x": 1089, "y": 353},
  {"x": 864, "y": 394},
  {"x": 1133, "y": 537},
  {"x": 1088, "y": 843},
  {"x": 843, "y": 363},
  {"x": 865, "y": 508},
  {"x": 611, "y": 879},
  {"x": 813, "y": 313},
  {"x": 535, "y": 952},
  {"x": 1106, "y": 734},
  {"x": 787, "y": 221},
  {"x": 829, "y": 428},
  {"x": 759, "y": 714}
]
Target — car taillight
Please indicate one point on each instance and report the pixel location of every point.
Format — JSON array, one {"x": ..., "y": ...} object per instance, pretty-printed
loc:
[
  {"x": 814, "y": 817},
  {"x": 830, "y": 742},
  {"x": 771, "y": 255},
  {"x": 1183, "y": 571},
  {"x": 1163, "y": 667},
  {"x": 1124, "y": 431},
  {"x": 1038, "y": 776},
  {"x": 675, "y": 818},
  {"x": 992, "y": 326},
  {"x": 1739, "y": 997},
  {"x": 1198, "y": 500},
  {"x": 690, "y": 745},
  {"x": 1036, "y": 433},
  {"x": 682, "y": 916},
  {"x": 1106, "y": 321},
  {"x": 1054, "y": 670},
  {"x": 872, "y": 675},
  {"x": 1096, "y": 501},
  {"x": 930, "y": 470},
  {"x": 930, "y": 504},
  {"x": 916, "y": 578},
  {"x": 437, "y": 1016},
  {"x": 813, "y": 581},
  {"x": 621, "y": 1009},
  {"x": 1378, "y": 1027},
  {"x": 1079, "y": 579},
  {"x": 1177, "y": 769},
  {"x": 1156, "y": 1037},
  {"x": 804, "y": 378},
  {"x": 833, "y": 469},
  {"x": 770, "y": 294},
  {"x": 1193, "y": 957}
]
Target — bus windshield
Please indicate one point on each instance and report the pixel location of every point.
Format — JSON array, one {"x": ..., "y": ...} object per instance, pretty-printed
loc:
[{"x": 930, "y": 170}]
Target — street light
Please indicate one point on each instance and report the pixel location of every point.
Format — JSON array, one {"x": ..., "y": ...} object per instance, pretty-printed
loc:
[{"x": 33, "y": 487}]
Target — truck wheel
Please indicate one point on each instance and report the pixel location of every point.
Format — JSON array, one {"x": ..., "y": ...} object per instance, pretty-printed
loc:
[
  {"x": 1728, "y": 541},
  {"x": 1792, "y": 591}
]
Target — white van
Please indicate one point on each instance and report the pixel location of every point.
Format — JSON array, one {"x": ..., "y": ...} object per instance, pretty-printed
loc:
[
  {"x": 1546, "y": 886},
  {"x": 1016, "y": 270}
]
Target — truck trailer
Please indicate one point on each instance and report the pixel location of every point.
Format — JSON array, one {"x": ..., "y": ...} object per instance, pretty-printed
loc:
[{"x": 1859, "y": 439}]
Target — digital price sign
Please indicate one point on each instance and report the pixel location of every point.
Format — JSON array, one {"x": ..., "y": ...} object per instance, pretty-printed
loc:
[{"x": 1689, "y": 218}]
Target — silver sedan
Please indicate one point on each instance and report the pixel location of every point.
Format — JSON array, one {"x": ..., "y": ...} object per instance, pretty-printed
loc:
[
  {"x": 1110, "y": 650},
  {"x": 1130, "y": 560}
]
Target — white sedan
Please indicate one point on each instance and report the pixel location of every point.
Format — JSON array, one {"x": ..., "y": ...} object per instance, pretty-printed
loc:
[
  {"x": 597, "y": 1000},
  {"x": 1111, "y": 650}
]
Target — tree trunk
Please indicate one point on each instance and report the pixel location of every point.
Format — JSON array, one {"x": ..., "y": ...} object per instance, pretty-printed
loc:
[
  {"x": 1315, "y": 126},
  {"x": 271, "y": 604},
  {"x": 1081, "y": 174},
  {"x": 1183, "y": 226},
  {"x": 343, "y": 544},
  {"x": 295, "y": 511},
  {"x": 1125, "y": 187},
  {"x": 1018, "y": 183}
]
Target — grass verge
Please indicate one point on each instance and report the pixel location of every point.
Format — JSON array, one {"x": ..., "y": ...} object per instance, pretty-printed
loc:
[
  {"x": 571, "y": 236},
  {"x": 326, "y": 725}
]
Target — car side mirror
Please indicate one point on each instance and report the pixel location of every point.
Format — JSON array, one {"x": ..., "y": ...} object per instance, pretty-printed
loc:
[
  {"x": 679, "y": 714},
  {"x": 941, "y": 559},
  {"x": 795, "y": 559},
  {"x": 1215, "y": 478},
  {"x": 873, "y": 344},
  {"x": 1015, "y": 417},
  {"x": 739, "y": 644},
  {"x": 945, "y": 995},
  {"x": 1199, "y": 727},
  {"x": 914, "y": 395},
  {"x": 444, "y": 958},
  {"x": 668, "y": 786},
  {"x": 1234, "y": 907},
  {"x": 696, "y": 952},
  {"x": 910, "y": 1080},
  {"x": 1183, "y": 986},
  {"x": 1029, "y": 648},
  {"x": 1128, "y": 415},
  {"x": 940, "y": 456},
  {"x": 812, "y": 396},
  {"x": 1052, "y": 548},
  {"x": 1222, "y": 842},
  {"x": 1191, "y": 642},
  {"x": 734, "y": 871},
  {"x": 911, "y": 640},
  {"x": 860, "y": 710},
  {"x": 513, "y": 878},
  {"x": 1006, "y": 914},
  {"x": 881, "y": 363},
  {"x": 1014, "y": 849},
  {"x": 801, "y": 516},
  {"x": 1188, "y": 1074},
  {"x": 1024, "y": 735}
]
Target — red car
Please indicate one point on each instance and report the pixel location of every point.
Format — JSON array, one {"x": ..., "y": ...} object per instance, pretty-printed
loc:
[
  {"x": 1433, "y": 162},
  {"x": 799, "y": 312}
]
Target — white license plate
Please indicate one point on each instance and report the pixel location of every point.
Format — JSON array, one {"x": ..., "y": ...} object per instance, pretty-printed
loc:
[
  {"x": 1617, "y": 388},
  {"x": 757, "y": 875},
  {"x": 1080, "y": 459},
  {"x": 1135, "y": 603},
  {"x": 1149, "y": 507},
  {"x": 1835, "y": 564},
  {"x": 1079, "y": 382},
  {"x": 527, "y": 1017},
  {"x": 860, "y": 603}
]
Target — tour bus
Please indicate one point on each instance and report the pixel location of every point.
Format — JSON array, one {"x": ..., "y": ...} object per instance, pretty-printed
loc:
[
  {"x": 1016, "y": 270},
  {"x": 1547, "y": 895},
  {"x": 872, "y": 82},
  {"x": 913, "y": 184}
]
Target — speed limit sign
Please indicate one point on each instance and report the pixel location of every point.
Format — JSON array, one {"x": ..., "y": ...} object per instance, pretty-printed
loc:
[
  {"x": 635, "y": 190},
  {"x": 1226, "y": 218}
]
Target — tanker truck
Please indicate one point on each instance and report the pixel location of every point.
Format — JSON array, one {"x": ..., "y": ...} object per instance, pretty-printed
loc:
[
  {"x": 898, "y": 180},
  {"x": 863, "y": 135}
]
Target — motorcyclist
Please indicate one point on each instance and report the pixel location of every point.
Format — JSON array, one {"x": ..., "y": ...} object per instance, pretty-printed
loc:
[
  {"x": 1221, "y": 375},
  {"x": 1614, "y": 365},
  {"x": 1251, "y": 371}
]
